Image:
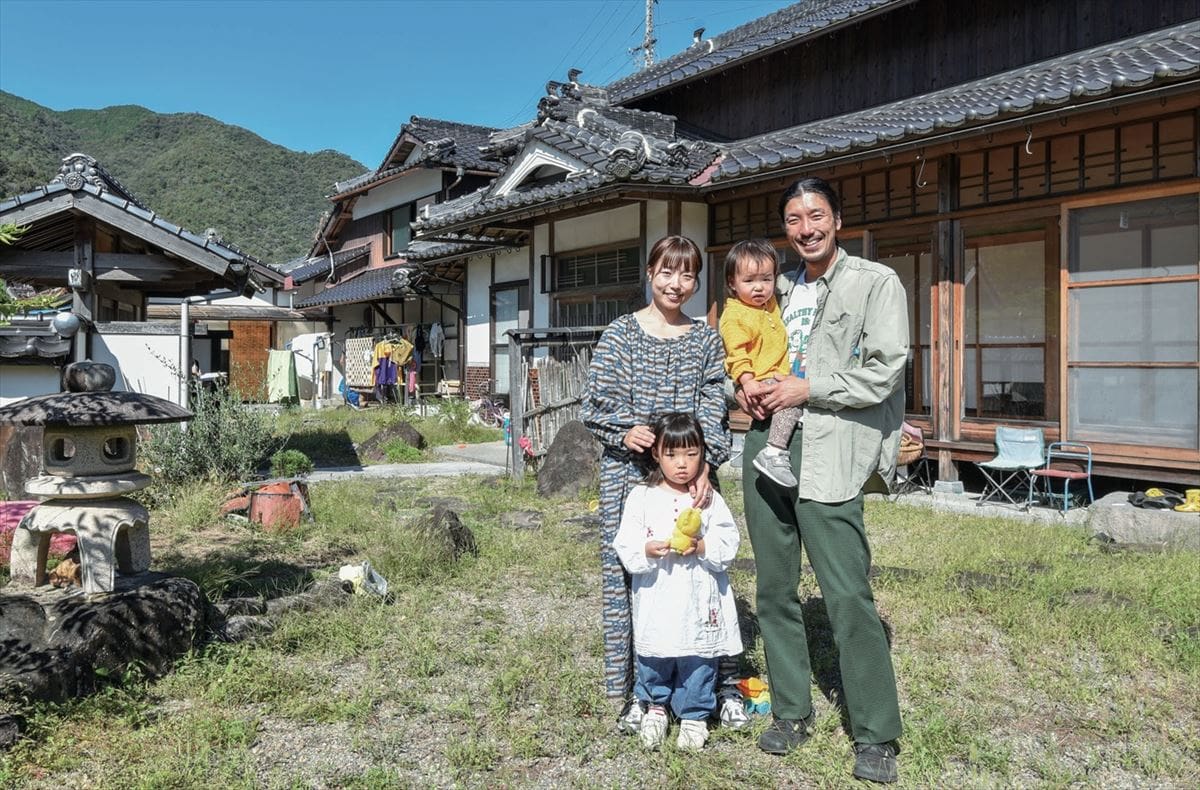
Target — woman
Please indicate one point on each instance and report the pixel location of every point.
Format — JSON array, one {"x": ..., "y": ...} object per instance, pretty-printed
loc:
[{"x": 649, "y": 362}]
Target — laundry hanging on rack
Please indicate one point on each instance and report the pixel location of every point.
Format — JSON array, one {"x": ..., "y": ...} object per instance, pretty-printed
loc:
[{"x": 437, "y": 339}]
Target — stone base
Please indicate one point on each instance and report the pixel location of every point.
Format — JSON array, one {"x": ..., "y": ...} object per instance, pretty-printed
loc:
[
  {"x": 56, "y": 644},
  {"x": 112, "y": 533},
  {"x": 1114, "y": 518}
]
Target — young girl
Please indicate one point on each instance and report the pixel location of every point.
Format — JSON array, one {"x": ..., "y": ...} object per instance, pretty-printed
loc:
[
  {"x": 756, "y": 346},
  {"x": 683, "y": 611}
]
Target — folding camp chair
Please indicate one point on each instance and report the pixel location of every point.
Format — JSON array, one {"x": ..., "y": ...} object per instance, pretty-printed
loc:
[
  {"x": 914, "y": 467},
  {"x": 1009, "y": 476},
  {"x": 1065, "y": 461}
]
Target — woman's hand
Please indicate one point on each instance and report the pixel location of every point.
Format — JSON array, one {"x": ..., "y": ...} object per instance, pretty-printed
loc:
[
  {"x": 639, "y": 438},
  {"x": 657, "y": 548},
  {"x": 701, "y": 489}
]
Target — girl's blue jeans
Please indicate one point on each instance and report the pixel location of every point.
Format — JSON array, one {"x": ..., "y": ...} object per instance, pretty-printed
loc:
[{"x": 689, "y": 683}]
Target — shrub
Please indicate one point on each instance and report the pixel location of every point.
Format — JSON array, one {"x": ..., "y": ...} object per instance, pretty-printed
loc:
[
  {"x": 226, "y": 440},
  {"x": 290, "y": 463},
  {"x": 455, "y": 414},
  {"x": 398, "y": 451}
]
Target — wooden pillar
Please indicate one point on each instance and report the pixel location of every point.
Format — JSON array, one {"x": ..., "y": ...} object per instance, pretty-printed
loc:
[
  {"x": 674, "y": 217},
  {"x": 948, "y": 350},
  {"x": 516, "y": 405},
  {"x": 83, "y": 298}
]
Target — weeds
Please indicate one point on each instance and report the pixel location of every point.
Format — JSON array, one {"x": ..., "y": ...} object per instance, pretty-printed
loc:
[{"x": 1025, "y": 656}]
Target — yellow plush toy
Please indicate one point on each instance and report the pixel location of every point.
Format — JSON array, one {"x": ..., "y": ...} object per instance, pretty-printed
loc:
[{"x": 687, "y": 526}]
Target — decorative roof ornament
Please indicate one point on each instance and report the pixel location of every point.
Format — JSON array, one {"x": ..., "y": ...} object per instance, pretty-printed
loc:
[
  {"x": 679, "y": 154},
  {"x": 440, "y": 147},
  {"x": 77, "y": 170},
  {"x": 628, "y": 156}
]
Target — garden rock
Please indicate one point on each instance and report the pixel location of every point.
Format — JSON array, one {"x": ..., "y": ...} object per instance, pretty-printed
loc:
[
  {"x": 372, "y": 449},
  {"x": 56, "y": 645},
  {"x": 572, "y": 463},
  {"x": 11, "y": 727},
  {"x": 523, "y": 519},
  {"x": 240, "y": 619},
  {"x": 232, "y": 607},
  {"x": 443, "y": 526}
]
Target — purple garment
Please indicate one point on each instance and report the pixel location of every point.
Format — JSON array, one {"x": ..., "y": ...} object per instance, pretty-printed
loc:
[{"x": 386, "y": 375}]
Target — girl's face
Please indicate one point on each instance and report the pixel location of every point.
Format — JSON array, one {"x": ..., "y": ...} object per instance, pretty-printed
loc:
[
  {"x": 754, "y": 282},
  {"x": 679, "y": 465},
  {"x": 670, "y": 288}
]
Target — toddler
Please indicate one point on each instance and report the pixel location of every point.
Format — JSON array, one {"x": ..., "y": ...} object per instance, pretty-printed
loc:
[
  {"x": 756, "y": 346},
  {"x": 684, "y": 618}
]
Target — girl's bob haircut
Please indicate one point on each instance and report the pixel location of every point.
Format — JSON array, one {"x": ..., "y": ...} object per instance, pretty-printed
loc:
[
  {"x": 674, "y": 431},
  {"x": 675, "y": 253}
]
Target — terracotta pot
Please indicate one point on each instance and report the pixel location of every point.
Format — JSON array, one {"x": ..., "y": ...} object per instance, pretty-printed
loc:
[{"x": 276, "y": 506}]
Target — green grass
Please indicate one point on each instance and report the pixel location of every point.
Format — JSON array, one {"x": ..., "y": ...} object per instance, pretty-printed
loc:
[
  {"x": 1026, "y": 656},
  {"x": 329, "y": 436}
]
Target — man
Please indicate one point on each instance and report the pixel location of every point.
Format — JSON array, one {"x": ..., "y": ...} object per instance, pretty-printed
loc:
[{"x": 847, "y": 324}]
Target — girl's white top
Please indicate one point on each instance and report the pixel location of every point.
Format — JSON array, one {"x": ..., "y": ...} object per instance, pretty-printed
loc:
[{"x": 682, "y": 606}]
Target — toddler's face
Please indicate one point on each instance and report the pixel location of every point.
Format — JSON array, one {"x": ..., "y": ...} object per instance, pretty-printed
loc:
[
  {"x": 754, "y": 283},
  {"x": 679, "y": 465}
]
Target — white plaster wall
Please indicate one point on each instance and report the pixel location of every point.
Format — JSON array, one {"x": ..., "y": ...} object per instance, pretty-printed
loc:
[
  {"x": 512, "y": 265},
  {"x": 26, "y": 381},
  {"x": 593, "y": 230},
  {"x": 144, "y": 363},
  {"x": 405, "y": 189},
  {"x": 477, "y": 314},
  {"x": 656, "y": 224}
]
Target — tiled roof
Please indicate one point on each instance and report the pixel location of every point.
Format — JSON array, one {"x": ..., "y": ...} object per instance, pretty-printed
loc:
[
  {"x": 468, "y": 138},
  {"x": 446, "y": 144},
  {"x": 319, "y": 264},
  {"x": 436, "y": 250},
  {"x": 371, "y": 284},
  {"x": 81, "y": 173},
  {"x": 786, "y": 26},
  {"x": 1144, "y": 61},
  {"x": 615, "y": 145}
]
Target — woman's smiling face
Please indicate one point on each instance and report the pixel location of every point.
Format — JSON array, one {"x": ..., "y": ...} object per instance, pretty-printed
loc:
[{"x": 671, "y": 288}]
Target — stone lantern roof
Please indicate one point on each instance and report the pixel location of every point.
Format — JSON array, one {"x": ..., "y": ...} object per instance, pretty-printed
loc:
[{"x": 89, "y": 403}]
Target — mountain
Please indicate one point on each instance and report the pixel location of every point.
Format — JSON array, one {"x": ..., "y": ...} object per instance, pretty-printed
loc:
[{"x": 193, "y": 170}]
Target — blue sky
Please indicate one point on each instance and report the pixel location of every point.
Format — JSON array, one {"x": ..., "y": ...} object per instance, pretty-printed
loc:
[{"x": 342, "y": 75}]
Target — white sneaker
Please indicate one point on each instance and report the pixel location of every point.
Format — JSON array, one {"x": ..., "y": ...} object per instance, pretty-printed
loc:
[
  {"x": 693, "y": 734},
  {"x": 630, "y": 719},
  {"x": 777, "y": 465},
  {"x": 733, "y": 712},
  {"x": 654, "y": 727}
]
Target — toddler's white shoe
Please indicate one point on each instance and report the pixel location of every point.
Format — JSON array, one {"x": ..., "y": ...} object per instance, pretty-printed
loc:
[
  {"x": 777, "y": 465},
  {"x": 631, "y": 717},
  {"x": 654, "y": 727},
  {"x": 693, "y": 734},
  {"x": 733, "y": 712}
]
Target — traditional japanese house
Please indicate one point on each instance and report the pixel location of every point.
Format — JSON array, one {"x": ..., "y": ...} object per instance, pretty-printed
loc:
[
  {"x": 1029, "y": 169},
  {"x": 363, "y": 271},
  {"x": 86, "y": 232}
]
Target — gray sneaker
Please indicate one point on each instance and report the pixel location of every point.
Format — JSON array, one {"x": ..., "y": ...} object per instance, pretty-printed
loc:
[{"x": 777, "y": 465}]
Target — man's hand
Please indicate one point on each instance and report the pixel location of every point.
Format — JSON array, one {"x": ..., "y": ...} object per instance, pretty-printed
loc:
[
  {"x": 639, "y": 438},
  {"x": 788, "y": 391}
]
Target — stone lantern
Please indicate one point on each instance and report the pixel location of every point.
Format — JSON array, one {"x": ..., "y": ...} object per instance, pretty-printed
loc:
[{"x": 88, "y": 450}]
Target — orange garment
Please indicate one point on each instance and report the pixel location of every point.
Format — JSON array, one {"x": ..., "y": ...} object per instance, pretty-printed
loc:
[{"x": 755, "y": 339}]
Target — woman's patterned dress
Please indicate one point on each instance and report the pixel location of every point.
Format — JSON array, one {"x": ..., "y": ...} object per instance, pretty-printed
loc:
[{"x": 635, "y": 376}]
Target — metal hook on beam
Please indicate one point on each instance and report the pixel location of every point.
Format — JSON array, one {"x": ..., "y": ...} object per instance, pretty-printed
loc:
[
  {"x": 1028, "y": 139},
  {"x": 921, "y": 183}
]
